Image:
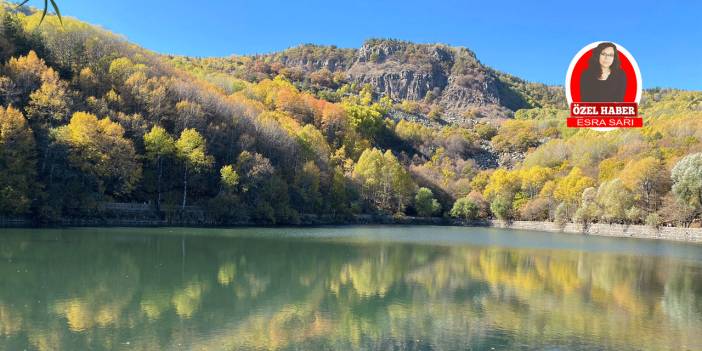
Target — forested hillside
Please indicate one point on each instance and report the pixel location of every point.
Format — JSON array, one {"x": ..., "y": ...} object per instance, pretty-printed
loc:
[
  {"x": 447, "y": 83},
  {"x": 89, "y": 119}
]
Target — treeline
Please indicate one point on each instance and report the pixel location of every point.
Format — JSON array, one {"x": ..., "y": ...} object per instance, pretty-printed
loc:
[
  {"x": 651, "y": 175},
  {"x": 88, "y": 118}
]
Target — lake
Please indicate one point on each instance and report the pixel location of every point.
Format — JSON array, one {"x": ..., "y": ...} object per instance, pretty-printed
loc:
[{"x": 345, "y": 288}]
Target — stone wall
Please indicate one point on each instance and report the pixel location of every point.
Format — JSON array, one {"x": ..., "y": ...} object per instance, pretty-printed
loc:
[{"x": 615, "y": 230}]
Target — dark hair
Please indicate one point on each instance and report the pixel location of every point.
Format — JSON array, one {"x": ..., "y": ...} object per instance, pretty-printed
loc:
[{"x": 594, "y": 69}]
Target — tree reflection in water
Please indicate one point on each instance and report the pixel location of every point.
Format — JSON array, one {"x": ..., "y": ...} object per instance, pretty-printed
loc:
[{"x": 148, "y": 289}]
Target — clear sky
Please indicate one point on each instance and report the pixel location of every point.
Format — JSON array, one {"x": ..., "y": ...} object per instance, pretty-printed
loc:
[{"x": 534, "y": 40}]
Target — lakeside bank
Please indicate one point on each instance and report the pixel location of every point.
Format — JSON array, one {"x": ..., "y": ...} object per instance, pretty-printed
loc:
[{"x": 691, "y": 235}]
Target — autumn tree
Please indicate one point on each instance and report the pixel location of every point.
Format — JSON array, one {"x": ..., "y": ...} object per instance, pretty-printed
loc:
[
  {"x": 264, "y": 192},
  {"x": 589, "y": 210},
  {"x": 369, "y": 172},
  {"x": 536, "y": 209},
  {"x": 609, "y": 168},
  {"x": 122, "y": 68},
  {"x": 190, "y": 115},
  {"x": 229, "y": 178},
  {"x": 480, "y": 180},
  {"x": 341, "y": 195},
  {"x": 314, "y": 145},
  {"x": 402, "y": 184},
  {"x": 244, "y": 190},
  {"x": 26, "y": 72},
  {"x": 547, "y": 193},
  {"x": 516, "y": 135},
  {"x": 226, "y": 207},
  {"x": 614, "y": 200},
  {"x": 648, "y": 179},
  {"x": 88, "y": 82},
  {"x": 307, "y": 184},
  {"x": 146, "y": 95},
  {"x": 676, "y": 211},
  {"x": 289, "y": 100},
  {"x": 159, "y": 146},
  {"x": 561, "y": 216},
  {"x": 15, "y": 40},
  {"x": 253, "y": 169},
  {"x": 49, "y": 105},
  {"x": 384, "y": 180},
  {"x": 569, "y": 189},
  {"x": 322, "y": 77},
  {"x": 687, "y": 181},
  {"x": 534, "y": 178},
  {"x": 191, "y": 149},
  {"x": 99, "y": 149},
  {"x": 367, "y": 120},
  {"x": 17, "y": 163},
  {"x": 502, "y": 182},
  {"x": 8, "y": 91},
  {"x": 334, "y": 124}
]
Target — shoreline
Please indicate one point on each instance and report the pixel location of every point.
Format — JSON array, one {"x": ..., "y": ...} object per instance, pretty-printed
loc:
[{"x": 637, "y": 231}]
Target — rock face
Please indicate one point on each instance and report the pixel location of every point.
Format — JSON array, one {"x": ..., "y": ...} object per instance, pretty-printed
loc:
[
  {"x": 450, "y": 78},
  {"x": 314, "y": 57},
  {"x": 453, "y": 77},
  {"x": 397, "y": 73}
]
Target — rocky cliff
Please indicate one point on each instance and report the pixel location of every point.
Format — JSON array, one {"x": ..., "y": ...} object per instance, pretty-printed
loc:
[{"x": 450, "y": 78}]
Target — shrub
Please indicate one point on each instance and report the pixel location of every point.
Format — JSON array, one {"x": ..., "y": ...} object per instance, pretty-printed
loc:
[{"x": 465, "y": 208}]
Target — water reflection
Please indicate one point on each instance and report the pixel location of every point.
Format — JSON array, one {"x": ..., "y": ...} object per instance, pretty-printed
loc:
[{"x": 148, "y": 289}]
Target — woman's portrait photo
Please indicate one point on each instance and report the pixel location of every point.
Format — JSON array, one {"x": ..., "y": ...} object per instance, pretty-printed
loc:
[{"x": 603, "y": 80}]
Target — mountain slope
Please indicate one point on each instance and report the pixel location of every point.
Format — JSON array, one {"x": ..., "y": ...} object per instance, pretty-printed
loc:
[
  {"x": 450, "y": 80},
  {"x": 88, "y": 119}
]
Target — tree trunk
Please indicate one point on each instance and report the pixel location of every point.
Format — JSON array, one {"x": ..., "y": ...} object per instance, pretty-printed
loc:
[
  {"x": 185, "y": 185},
  {"x": 158, "y": 186},
  {"x": 46, "y": 156}
]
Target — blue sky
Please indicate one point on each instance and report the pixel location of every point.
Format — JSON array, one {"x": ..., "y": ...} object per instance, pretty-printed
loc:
[{"x": 533, "y": 40}]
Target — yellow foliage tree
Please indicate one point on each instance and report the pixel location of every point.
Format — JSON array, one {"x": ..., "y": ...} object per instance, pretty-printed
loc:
[
  {"x": 99, "y": 148},
  {"x": 18, "y": 166},
  {"x": 648, "y": 179},
  {"x": 502, "y": 182},
  {"x": 534, "y": 178},
  {"x": 569, "y": 189}
]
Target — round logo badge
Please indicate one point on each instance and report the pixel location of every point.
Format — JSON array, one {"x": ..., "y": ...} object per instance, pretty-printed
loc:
[{"x": 603, "y": 88}]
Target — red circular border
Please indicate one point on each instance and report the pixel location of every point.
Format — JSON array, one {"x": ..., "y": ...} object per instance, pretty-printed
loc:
[{"x": 581, "y": 66}]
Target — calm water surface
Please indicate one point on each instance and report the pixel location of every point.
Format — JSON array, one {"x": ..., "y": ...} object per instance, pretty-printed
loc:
[{"x": 345, "y": 288}]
